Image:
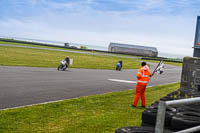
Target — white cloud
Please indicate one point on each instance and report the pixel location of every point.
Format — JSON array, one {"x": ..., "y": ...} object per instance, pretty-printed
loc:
[
  {"x": 79, "y": 23},
  {"x": 165, "y": 41}
]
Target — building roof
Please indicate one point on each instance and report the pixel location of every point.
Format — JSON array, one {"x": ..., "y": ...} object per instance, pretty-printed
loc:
[{"x": 133, "y": 46}]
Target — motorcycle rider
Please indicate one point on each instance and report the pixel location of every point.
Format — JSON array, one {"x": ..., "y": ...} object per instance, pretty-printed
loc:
[
  {"x": 67, "y": 59},
  {"x": 119, "y": 66}
]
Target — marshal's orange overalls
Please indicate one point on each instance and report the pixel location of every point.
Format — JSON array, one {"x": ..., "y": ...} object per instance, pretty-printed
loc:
[{"x": 143, "y": 77}]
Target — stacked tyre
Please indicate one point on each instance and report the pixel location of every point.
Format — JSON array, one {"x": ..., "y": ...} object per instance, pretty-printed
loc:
[
  {"x": 187, "y": 117},
  {"x": 135, "y": 130},
  {"x": 150, "y": 114},
  {"x": 143, "y": 129}
]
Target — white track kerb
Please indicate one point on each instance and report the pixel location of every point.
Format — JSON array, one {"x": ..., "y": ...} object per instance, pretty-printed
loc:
[{"x": 123, "y": 81}]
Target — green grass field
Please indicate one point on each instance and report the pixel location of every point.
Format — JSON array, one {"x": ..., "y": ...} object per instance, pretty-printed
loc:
[
  {"x": 165, "y": 62},
  {"x": 11, "y": 56},
  {"x": 92, "y": 114},
  {"x": 15, "y": 56}
]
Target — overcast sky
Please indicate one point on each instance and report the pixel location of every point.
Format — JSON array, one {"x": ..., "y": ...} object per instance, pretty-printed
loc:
[{"x": 168, "y": 25}]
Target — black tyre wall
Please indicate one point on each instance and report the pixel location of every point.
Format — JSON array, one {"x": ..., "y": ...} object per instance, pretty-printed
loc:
[{"x": 185, "y": 120}]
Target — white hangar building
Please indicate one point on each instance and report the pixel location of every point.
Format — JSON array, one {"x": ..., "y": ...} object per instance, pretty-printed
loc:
[{"x": 133, "y": 49}]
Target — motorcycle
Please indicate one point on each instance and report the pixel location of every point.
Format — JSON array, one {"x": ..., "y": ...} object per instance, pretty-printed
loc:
[{"x": 63, "y": 65}]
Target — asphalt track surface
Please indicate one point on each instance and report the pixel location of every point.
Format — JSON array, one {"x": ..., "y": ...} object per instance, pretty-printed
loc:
[{"x": 21, "y": 86}]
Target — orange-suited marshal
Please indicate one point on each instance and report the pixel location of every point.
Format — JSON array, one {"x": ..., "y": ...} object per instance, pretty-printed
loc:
[{"x": 143, "y": 77}]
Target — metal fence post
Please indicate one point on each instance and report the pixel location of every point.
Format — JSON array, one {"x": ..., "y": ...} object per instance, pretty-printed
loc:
[{"x": 160, "y": 120}]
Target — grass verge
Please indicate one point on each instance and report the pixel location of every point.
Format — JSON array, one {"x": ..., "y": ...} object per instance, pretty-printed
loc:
[
  {"x": 166, "y": 62},
  {"x": 15, "y": 56},
  {"x": 92, "y": 114},
  {"x": 13, "y": 43}
]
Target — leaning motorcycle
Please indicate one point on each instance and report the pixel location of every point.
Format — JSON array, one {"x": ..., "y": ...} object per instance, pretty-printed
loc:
[{"x": 63, "y": 65}]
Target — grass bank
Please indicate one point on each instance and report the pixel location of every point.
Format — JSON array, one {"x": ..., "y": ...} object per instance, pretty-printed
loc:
[
  {"x": 119, "y": 58},
  {"x": 16, "y": 56},
  {"x": 91, "y": 114},
  {"x": 165, "y": 62}
]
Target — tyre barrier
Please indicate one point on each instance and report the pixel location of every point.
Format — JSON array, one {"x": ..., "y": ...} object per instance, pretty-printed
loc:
[
  {"x": 189, "y": 92},
  {"x": 135, "y": 130},
  {"x": 167, "y": 98},
  {"x": 185, "y": 120},
  {"x": 155, "y": 106},
  {"x": 181, "y": 94},
  {"x": 143, "y": 129},
  {"x": 190, "y": 108},
  {"x": 146, "y": 125},
  {"x": 174, "y": 93},
  {"x": 149, "y": 117}
]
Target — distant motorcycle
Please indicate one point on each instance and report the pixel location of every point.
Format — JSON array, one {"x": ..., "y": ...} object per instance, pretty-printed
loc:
[
  {"x": 118, "y": 67},
  {"x": 63, "y": 65}
]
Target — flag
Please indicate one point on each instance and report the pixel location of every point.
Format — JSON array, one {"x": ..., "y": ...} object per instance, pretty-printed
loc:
[{"x": 160, "y": 68}]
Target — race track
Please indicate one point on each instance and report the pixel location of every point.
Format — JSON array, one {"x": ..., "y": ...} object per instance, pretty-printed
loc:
[{"x": 21, "y": 86}]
